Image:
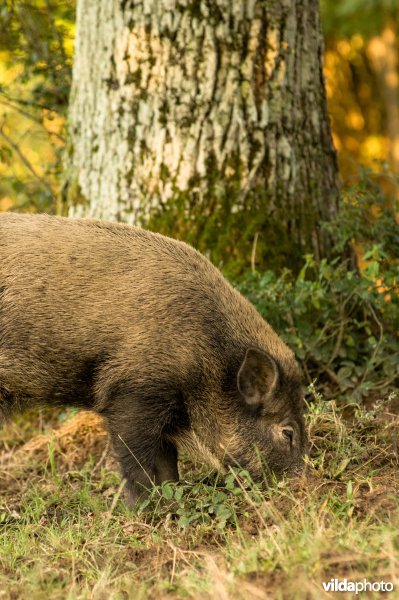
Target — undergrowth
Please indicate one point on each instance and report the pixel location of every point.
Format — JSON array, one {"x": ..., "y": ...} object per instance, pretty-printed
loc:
[{"x": 343, "y": 321}]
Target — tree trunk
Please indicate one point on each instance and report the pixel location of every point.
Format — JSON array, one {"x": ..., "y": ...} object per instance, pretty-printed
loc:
[{"x": 206, "y": 120}]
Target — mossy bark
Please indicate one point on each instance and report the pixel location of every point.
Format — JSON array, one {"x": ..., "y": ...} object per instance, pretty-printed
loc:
[{"x": 206, "y": 120}]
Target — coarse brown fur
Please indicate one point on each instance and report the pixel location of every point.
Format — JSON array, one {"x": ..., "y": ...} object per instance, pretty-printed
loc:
[{"x": 146, "y": 331}]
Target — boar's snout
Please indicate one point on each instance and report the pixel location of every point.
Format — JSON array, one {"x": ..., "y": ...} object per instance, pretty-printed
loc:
[{"x": 288, "y": 447}]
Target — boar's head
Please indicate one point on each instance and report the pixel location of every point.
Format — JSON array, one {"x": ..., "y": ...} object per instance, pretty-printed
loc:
[{"x": 268, "y": 432}]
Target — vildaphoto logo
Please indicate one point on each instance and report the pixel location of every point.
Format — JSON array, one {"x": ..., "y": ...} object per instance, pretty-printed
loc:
[{"x": 344, "y": 585}]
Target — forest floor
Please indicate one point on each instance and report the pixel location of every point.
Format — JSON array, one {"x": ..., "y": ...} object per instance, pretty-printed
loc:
[{"x": 65, "y": 533}]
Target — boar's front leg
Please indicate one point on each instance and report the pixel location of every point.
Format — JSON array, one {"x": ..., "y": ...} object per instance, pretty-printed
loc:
[
  {"x": 166, "y": 463},
  {"x": 136, "y": 430},
  {"x": 144, "y": 459}
]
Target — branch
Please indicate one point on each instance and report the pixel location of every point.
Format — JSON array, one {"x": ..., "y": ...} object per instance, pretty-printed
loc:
[
  {"x": 25, "y": 102},
  {"x": 25, "y": 161},
  {"x": 13, "y": 104},
  {"x": 377, "y": 346}
]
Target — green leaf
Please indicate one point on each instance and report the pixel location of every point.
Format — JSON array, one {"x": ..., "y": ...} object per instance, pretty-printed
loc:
[{"x": 167, "y": 491}]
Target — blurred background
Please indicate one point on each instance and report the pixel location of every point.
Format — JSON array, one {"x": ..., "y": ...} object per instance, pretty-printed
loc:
[{"x": 36, "y": 51}]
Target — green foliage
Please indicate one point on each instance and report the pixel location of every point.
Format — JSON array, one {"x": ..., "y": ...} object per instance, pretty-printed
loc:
[
  {"x": 342, "y": 324},
  {"x": 218, "y": 504},
  {"x": 368, "y": 217},
  {"x": 36, "y": 60},
  {"x": 35, "y": 35},
  {"x": 347, "y": 17}
]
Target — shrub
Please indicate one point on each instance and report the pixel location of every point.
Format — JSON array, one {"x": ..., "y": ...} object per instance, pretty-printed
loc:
[{"x": 343, "y": 322}]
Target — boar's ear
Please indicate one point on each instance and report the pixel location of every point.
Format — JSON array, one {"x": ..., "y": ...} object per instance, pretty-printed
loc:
[{"x": 258, "y": 377}]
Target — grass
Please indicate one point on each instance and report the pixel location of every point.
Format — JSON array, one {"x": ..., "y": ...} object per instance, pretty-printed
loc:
[{"x": 65, "y": 532}]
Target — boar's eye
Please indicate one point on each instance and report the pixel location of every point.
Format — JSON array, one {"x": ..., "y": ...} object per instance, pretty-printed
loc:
[{"x": 288, "y": 433}]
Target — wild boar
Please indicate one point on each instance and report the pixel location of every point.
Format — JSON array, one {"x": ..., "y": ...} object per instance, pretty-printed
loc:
[{"x": 145, "y": 331}]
